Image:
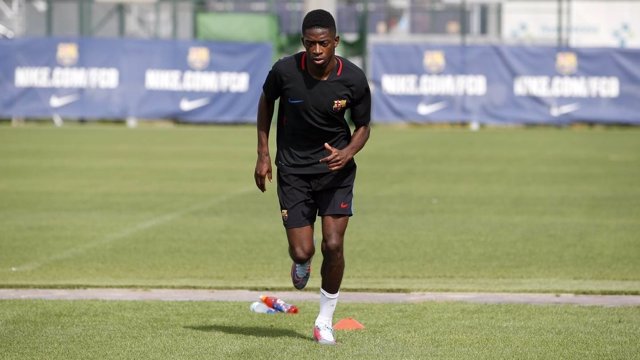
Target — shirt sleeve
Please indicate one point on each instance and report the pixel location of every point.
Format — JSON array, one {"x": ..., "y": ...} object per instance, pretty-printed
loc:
[
  {"x": 361, "y": 108},
  {"x": 272, "y": 86}
]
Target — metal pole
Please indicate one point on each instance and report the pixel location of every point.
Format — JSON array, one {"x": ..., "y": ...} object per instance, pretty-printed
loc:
[
  {"x": 81, "y": 17},
  {"x": 198, "y": 6},
  {"x": 121, "y": 20},
  {"x": 493, "y": 22},
  {"x": 364, "y": 33},
  {"x": 84, "y": 15},
  {"x": 88, "y": 15},
  {"x": 559, "y": 32},
  {"x": 49, "y": 18},
  {"x": 329, "y": 5},
  {"x": 568, "y": 32},
  {"x": 463, "y": 23},
  {"x": 174, "y": 19}
]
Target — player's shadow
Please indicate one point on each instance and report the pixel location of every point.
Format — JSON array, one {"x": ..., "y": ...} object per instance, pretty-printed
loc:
[{"x": 249, "y": 331}]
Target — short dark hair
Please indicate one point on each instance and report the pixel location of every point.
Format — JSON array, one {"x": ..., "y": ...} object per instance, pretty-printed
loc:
[{"x": 319, "y": 18}]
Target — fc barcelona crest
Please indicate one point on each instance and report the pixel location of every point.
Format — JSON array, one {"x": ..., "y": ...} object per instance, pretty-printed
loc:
[
  {"x": 198, "y": 57},
  {"x": 67, "y": 54},
  {"x": 339, "y": 105},
  {"x": 566, "y": 62},
  {"x": 434, "y": 61}
]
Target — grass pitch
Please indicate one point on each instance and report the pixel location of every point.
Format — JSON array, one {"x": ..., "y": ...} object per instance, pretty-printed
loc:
[
  {"x": 544, "y": 209},
  {"x": 208, "y": 330},
  {"x": 551, "y": 210}
]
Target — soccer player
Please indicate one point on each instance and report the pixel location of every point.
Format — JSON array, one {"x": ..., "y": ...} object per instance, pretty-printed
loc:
[{"x": 315, "y": 151}]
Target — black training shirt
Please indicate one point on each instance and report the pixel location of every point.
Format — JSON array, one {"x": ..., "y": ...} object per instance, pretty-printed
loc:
[{"x": 311, "y": 111}]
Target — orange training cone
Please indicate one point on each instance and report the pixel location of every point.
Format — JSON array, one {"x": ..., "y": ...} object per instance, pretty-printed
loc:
[{"x": 348, "y": 324}]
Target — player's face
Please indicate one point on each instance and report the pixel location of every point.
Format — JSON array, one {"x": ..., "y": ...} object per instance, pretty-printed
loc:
[{"x": 320, "y": 45}]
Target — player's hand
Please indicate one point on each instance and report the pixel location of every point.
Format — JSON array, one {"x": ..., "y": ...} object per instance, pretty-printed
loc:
[
  {"x": 336, "y": 159},
  {"x": 263, "y": 172}
]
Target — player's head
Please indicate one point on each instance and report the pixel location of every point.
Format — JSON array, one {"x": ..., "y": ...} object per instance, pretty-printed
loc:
[
  {"x": 319, "y": 37},
  {"x": 319, "y": 19}
]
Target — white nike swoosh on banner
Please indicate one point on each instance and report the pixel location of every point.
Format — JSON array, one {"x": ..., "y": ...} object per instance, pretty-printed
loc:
[
  {"x": 60, "y": 101},
  {"x": 556, "y": 111},
  {"x": 426, "y": 109},
  {"x": 188, "y": 105}
]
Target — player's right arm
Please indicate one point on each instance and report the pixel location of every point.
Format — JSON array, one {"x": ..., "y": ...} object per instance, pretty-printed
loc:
[{"x": 263, "y": 164}]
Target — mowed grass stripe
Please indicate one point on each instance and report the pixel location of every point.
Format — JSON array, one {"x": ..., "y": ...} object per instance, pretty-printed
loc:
[
  {"x": 224, "y": 330},
  {"x": 159, "y": 220},
  {"x": 545, "y": 210}
]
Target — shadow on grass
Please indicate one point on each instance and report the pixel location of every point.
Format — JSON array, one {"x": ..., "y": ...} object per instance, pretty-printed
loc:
[{"x": 249, "y": 331}]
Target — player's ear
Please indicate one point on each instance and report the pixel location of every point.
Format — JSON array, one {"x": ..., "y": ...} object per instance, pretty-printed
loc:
[{"x": 337, "y": 40}]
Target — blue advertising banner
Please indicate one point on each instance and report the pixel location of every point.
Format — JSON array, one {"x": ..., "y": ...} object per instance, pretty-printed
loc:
[
  {"x": 192, "y": 81},
  {"x": 504, "y": 84}
]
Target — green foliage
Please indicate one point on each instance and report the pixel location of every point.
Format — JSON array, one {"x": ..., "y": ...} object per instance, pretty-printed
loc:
[
  {"x": 549, "y": 210},
  {"x": 223, "y": 26}
]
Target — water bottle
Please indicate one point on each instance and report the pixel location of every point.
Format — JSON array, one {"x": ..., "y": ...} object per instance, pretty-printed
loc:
[
  {"x": 258, "y": 307},
  {"x": 279, "y": 304}
]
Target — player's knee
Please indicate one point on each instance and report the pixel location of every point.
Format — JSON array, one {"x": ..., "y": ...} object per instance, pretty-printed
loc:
[
  {"x": 332, "y": 245},
  {"x": 301, "y": 255}
]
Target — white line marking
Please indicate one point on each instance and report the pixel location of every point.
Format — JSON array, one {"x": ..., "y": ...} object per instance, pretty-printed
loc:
[
  {"x": 126, "y": 232},
  {"x": 346, "y": 296}
]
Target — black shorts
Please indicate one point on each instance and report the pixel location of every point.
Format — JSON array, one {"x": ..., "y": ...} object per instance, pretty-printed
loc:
[{"x": 303, "y": 197}]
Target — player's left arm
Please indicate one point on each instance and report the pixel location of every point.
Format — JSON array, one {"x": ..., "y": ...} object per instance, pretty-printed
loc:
[
  {"x": 361, "y": 117},
  {"x": 338, "y": 158}
]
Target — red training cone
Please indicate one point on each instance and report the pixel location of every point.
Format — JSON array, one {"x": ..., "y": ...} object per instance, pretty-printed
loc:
[{"x": 348, "y": 324}]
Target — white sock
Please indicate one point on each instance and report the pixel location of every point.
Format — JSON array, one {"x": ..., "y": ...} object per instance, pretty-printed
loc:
[{"x": 328, "y": 304}]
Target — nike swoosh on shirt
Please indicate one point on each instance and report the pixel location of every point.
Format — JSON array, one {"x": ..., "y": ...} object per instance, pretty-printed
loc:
[
  {"x": 188, "y": 105},
  {"x": 556, "y": 111},
  {"x": 295, "y": 101},
  {"x": 60, "y": 101},
  {"x": 426, "y": 109}
]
